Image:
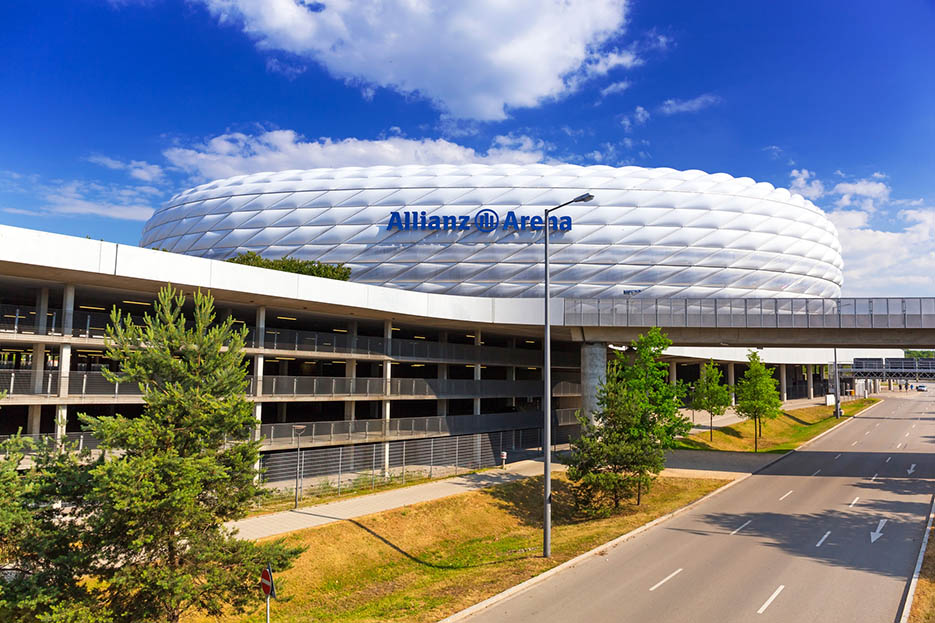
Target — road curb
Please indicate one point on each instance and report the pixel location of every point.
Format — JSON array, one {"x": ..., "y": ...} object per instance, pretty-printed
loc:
[
  {"x": 907, "y": 606},
  {"x": 545, "y": 575},
  {"x": 490, "y": 601}
]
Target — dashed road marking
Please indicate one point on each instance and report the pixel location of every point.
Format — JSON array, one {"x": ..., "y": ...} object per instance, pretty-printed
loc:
[
  {"x": 744, "y": 525},
  {"x": 786, "y": 495},
  {"x": 851, "y": 505},
  {"x": 770, "y": 600},
  {"x": 874, "y": 477},
  {"x": 822, "y": 539},
  {"x": 817, "y": 471},
  {"x": 665, "y": 579},
  {"x": 837, "y": 457}
]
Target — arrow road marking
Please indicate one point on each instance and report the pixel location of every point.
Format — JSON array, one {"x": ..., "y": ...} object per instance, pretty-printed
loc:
[
  {"x": 786, "y": 495},
  {"x": 770, "y": 600},
  {"x": 876, "y": 535},
  {"x": 745, "y": 524},
  {"x": 911, "y": 469},
  {"x": 666, "y": 579},
  {"x": 822, "y": 539},
  {"x": 851, "y": 505}
]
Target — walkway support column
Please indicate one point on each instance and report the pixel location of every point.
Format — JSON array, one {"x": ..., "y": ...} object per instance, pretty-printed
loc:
[
  {"x": 593, "y": 375},
  {"x": 260, "y": 342},
  {"x": 673, "y": 372},
  {"x": 810, "y": 373},
  {"x": 441, "y": 404},
  {"x": 782, "y": 382},
  {"x": 731, "y": 381}
]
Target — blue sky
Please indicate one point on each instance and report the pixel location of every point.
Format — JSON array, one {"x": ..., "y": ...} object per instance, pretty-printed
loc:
[{"x": 109, "y": 108}]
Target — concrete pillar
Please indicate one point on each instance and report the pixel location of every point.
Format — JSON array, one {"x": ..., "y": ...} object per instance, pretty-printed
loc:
[
  {"x": 673, "y": 372},
  {"x": 442, "y": 403},
  {"x": 477, "y": 374},
  {"x": 511, "y": 372},
  {"x": 258, "y": 367},
  {"x": 34, "y": 420},
  {"x": 889, "y": 384},
  {"x": 593, "y": 374},
  {"x": 810, "y": 373},
  {"x": 782, "y": 382},
  {"x": 34, "y": 413},
  {"x": 731, "y": 382},
  {"x": 61, "y": 421},
  {"x": 385, "y": 404},
  {"x": 64, "y": 359},
  {"x": 42, "y": 311},
  {"x": 350, "y": 367}
]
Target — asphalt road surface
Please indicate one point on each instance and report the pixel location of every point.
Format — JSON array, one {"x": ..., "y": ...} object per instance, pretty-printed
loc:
[{"x": 830, "y": 533}]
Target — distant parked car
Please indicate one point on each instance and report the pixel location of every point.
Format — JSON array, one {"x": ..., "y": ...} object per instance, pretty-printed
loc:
[{"x": 921, "y": 388}]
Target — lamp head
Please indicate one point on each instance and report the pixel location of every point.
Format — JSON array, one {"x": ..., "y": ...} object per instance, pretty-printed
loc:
[{"x": 584, "y": 197}]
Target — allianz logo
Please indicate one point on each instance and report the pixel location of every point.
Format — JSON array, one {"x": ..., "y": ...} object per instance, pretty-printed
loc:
[{"x": 485, "y": 220}]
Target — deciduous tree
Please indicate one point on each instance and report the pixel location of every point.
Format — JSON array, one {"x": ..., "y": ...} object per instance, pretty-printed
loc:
[
  {"x": 757, "y": 396},
  {"x": 709, "y": 394}
]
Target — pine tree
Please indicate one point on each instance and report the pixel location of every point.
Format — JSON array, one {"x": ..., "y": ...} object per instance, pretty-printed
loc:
[
  {"x": 709, "y": 395},
  {"x": 638, "y": 419},
  {"x": 142, "y": 522},
  {"x": 757, "y": 396}
]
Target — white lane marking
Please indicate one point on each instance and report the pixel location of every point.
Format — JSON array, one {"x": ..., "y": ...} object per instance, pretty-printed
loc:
[
  {"x": 887, "y": 459},
  {"x": 877, "y": 424},
  {"x": 771, "y": 598},
  {"x": 854, "y": 444},
  {"x": 666, "y": 579},
  {"x": 786, "y": 495},
  {"x": 913, "y": 426},
  {"x": 911, "y": 469},
  {"x": 867, "y": 433},
  {"x": 837, "y": 457},
  {"x": 851, "y": 505},
  {"x": 816, "y": 472},
  {"x": 745, "y": 524},
  {"x": 900, "y": 446},
  {"x": 876, "y": 535},
  {"x": 906, "y": 435},
  {"x": 822, "y": 539},
  {"x": 874, "y": 477}
]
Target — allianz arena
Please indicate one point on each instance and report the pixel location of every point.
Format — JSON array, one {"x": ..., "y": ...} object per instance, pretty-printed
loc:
[{"x": 471, "y": 229}]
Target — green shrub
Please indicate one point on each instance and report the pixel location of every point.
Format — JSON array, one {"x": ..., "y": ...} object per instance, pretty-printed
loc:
[{"x": 294, "y": 265}]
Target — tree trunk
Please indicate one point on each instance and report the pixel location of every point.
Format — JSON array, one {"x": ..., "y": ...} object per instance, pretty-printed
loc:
[
  {"x": 755, "y": 435},
  {"x": 711, "y": 425},
  {"x": 639, "y": 491}
]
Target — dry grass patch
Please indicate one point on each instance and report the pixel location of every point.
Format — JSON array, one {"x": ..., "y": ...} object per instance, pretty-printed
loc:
[
  {"x": 787, "y": 432},
  {"x": 923, "y": 604},
  {"x": 427, "y": 561}
]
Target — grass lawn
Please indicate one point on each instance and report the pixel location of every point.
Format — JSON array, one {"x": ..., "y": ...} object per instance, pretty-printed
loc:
[
  {"x": 788, "y": 431},
  {"x": 427, "y": 561}
]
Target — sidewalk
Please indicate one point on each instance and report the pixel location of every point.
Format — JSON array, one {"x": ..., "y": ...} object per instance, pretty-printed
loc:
[{"x": 310, "y": 516}]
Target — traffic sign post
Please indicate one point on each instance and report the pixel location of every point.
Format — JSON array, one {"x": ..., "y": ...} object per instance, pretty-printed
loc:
[{"x": 269, "y": 588}]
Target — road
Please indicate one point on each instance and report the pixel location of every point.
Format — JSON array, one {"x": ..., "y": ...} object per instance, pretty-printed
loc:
[{"x": 830, "y": 533}]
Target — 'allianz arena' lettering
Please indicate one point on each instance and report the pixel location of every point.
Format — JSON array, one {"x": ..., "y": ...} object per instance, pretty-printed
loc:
[{"x": 485, "y": 220}]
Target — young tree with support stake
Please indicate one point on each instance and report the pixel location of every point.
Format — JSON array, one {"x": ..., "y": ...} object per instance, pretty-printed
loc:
[
  {"x": 757, "y": 396},
  {"x": 136, "y": 532},
  {"x": 638, "y": 419},
  {"x": 709, "y": 395}
]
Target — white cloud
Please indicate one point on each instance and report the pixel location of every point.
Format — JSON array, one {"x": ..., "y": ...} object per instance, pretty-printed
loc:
[
  {"x": 887, "y": 263},
  {"x": 615, "y": 87},
  {"x": 806, "y": 184},
  {"x": 773, "y": 150},
  {"x": 473, "y": 59},
  {"x": 138, "y": 169},
  {"x": 676, "y": 106},
  {"x": 639, "y": 117},
  {"x": 867, "y": 194},
  {"x": 238, "y": 153},
  {"x": 289, "y": 70},
  {"x": 77, "y": 198}
]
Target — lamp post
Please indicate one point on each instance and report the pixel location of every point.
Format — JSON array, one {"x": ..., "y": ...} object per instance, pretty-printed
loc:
[
  {"x": 547, "y": 390},
  {"x": 297, "y": 430}
]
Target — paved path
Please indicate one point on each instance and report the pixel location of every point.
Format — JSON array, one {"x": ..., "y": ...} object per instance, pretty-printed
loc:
[
  {"x": 287, "y": 521},
  {"x": 830, "y": 533}
]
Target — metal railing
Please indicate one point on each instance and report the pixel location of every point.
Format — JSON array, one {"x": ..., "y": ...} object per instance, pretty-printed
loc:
[
  {"x": 804, "y": 313},
  {"x": 20, "y": 382},
  {"x": 94, "y": 384},
  {"x": 344, "y": 386}
]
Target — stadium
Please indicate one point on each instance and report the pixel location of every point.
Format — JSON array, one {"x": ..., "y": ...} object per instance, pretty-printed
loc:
[{"x": 477, "y": 230}]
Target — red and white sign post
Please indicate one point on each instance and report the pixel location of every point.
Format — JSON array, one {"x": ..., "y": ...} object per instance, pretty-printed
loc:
[{"x": 269, "y": 589}]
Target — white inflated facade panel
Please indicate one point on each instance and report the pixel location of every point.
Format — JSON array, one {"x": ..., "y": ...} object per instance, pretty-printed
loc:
[{"x": 648, "y": 232}]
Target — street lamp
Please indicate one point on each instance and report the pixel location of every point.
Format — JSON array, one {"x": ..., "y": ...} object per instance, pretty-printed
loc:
[
  {"x": 297, "y": 430},
  {"x": 547, "y": 390}
]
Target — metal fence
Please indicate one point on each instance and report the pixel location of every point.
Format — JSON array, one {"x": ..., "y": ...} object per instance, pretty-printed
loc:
[
  {"x": 275, "y": 385},
  {"x": 850, "y": 313},
  {"x": 326, "y": 471}
]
